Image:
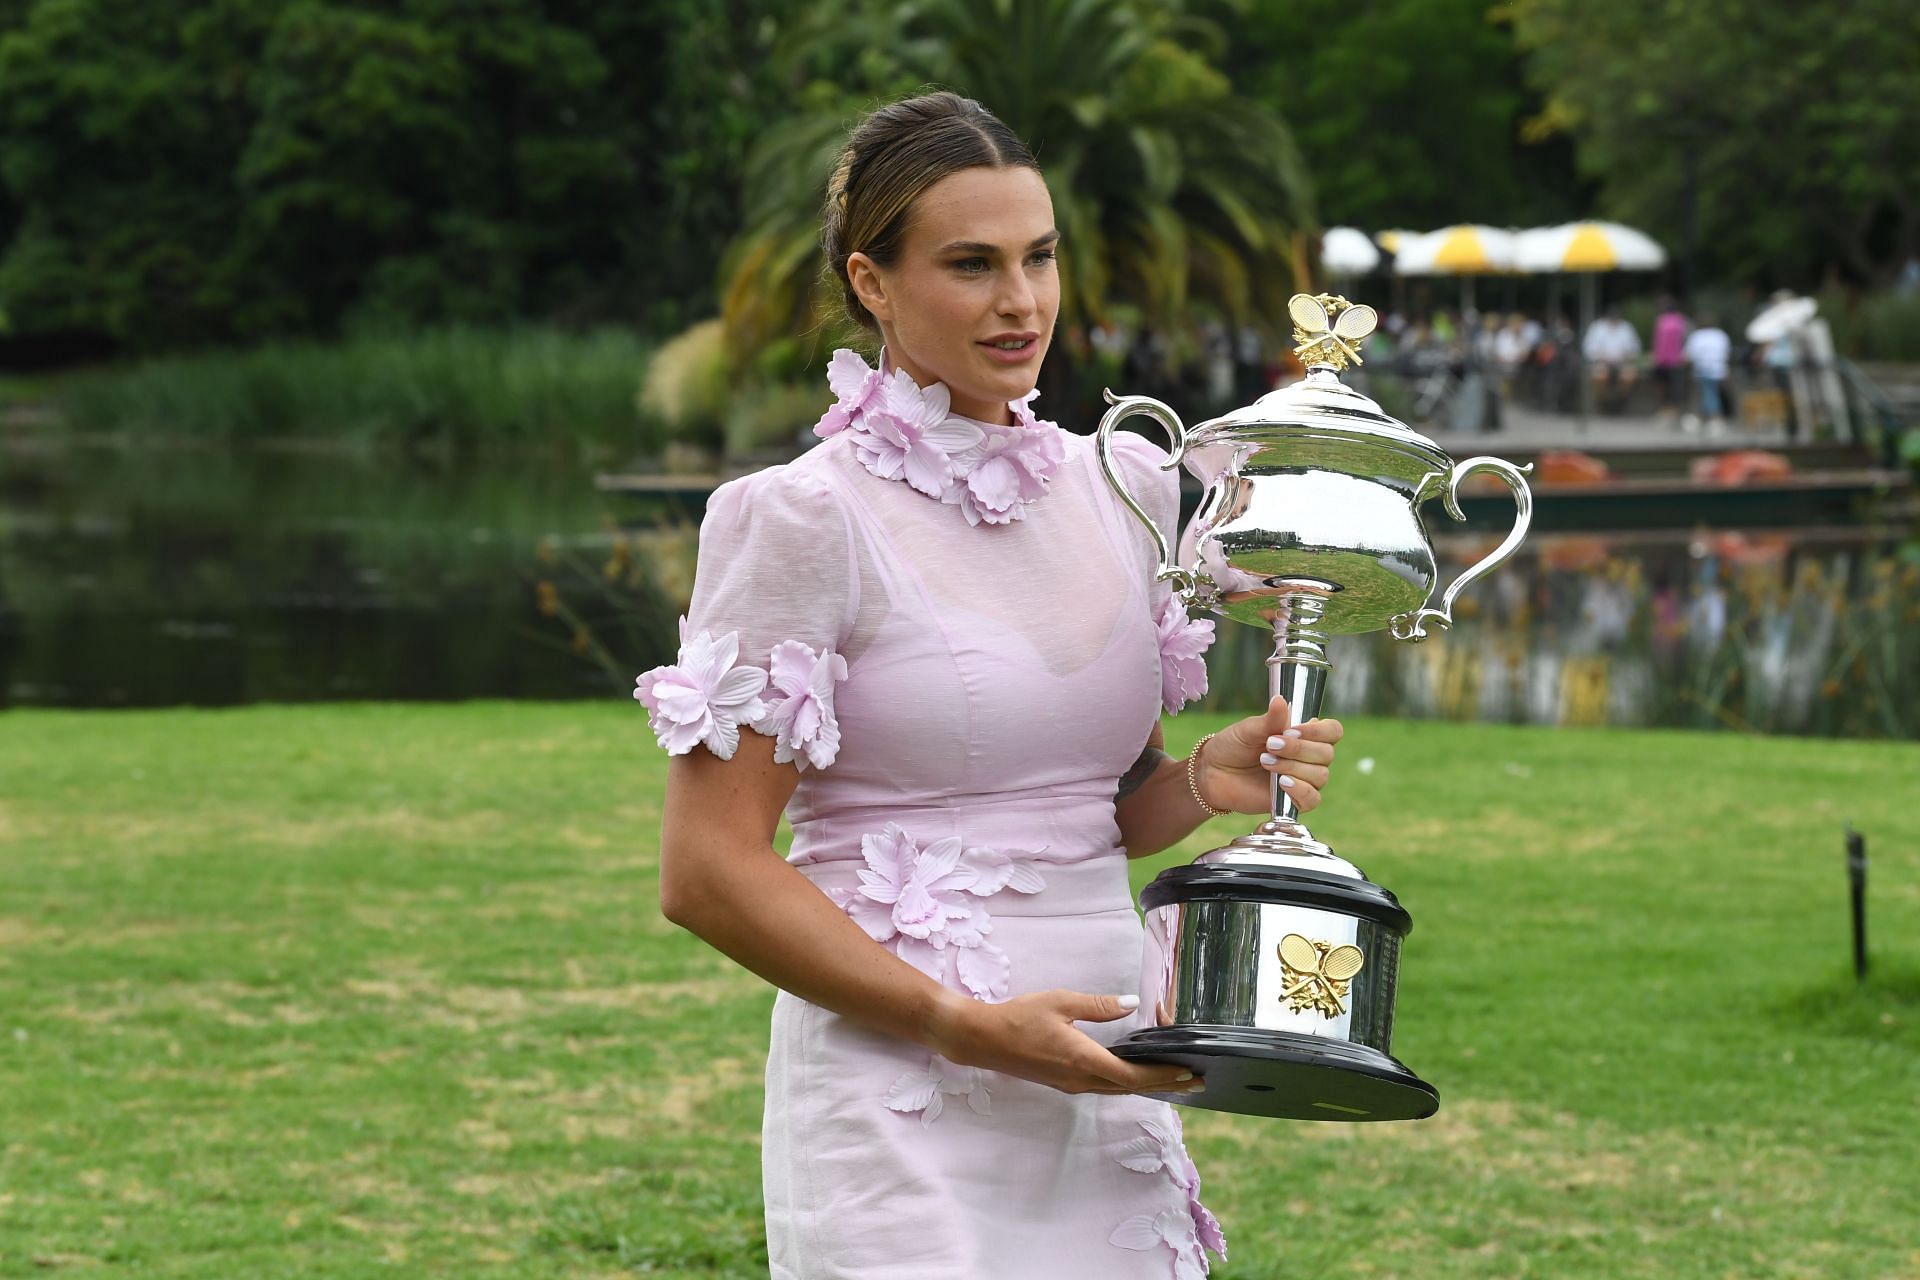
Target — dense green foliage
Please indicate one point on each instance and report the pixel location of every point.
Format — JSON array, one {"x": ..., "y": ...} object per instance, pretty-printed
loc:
[
  {"x": 184, "y": 173},
  {"x": 1168, "y": 187},
  {"x": 178, "y": 174},
  {"x": 1408, "y": 112},
  {"x": 457, "y": 390},
  {"x": 1799, "y": 121},
  {"x": 360, "y": 989}
]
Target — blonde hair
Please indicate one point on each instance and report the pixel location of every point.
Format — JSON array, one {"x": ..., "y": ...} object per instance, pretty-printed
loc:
[{"x": 893, "y": 155}]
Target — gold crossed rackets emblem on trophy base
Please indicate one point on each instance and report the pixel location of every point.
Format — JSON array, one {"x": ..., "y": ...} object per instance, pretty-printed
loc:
[
  {"x": 1328, "y": 330},
  {"x": 1319, "y": 974}
]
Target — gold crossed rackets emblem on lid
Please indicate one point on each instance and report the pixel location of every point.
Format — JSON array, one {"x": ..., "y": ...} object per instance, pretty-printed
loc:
[
  {"x": 1328, "y": 330},
  {"x": 1319, "y": 974}
]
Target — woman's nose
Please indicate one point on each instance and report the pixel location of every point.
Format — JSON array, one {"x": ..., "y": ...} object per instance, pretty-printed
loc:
[{"x": 1016, "y": 296}]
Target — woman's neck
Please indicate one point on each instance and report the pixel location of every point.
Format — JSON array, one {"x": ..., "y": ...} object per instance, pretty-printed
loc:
[{"x": 996, "y": 414}]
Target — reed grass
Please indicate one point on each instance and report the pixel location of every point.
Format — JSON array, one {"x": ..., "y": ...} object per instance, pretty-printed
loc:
[{"x": 455, "y": 390}]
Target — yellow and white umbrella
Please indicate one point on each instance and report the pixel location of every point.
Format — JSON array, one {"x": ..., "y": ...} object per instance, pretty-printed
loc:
[
  {"x": 1390, "y": 240},
  {"x": 1345, "y": 251},
  {"x": 1464, "y": 250},
  {"x": 1579, "y": 247},
  {"x": 1585, "y": 249}
]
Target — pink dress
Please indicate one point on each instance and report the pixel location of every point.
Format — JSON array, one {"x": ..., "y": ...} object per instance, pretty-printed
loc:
[{"x": 952, "y": 629}]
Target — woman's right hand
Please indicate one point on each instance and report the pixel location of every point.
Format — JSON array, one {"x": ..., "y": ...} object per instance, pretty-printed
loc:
[{"x": 1033, "y": 1037}]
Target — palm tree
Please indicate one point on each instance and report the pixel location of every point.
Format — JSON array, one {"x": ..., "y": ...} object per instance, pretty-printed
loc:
[{"x": 1168, "y": 188}]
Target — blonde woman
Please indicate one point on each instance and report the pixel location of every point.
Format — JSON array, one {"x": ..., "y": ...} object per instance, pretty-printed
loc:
[{"x": 934, "y": 641}]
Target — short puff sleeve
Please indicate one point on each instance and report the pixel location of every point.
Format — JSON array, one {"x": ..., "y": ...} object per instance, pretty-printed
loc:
[
  {"x": 1183, "y": 640},
  {"x": 773, "y": 599}
]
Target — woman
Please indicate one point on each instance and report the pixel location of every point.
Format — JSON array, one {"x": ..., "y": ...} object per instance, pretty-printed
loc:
[{"x": 935, "y": 642}]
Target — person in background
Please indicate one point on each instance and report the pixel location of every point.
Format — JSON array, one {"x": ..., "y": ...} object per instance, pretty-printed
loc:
[
  {"x": 1612, "y": 350},
  {"x": 1779, "y": 358},
  {"x": 1510, "y": 352},
  {"x": 1706, "y": 350},
  {"x": 1669, "y": 358},
  {"x": 1553, "y": 358},
  {"x": 1485, "y": 332}
]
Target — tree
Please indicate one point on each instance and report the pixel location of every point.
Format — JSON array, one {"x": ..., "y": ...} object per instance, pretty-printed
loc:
[
  {"x": 180, "y": 172},
  {"x": 1408, "y": 112},
  {"x": 1168, "y": 188},
  {"x": 1795, "y": 124}
]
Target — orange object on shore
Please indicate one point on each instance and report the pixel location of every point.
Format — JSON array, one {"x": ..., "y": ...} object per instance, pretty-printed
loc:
[
  {"x": 1751, "y": 548},
  {"x": 1740, "y": 466},
  {"x": 1574, "y": 554},
  {"x": 1570, "y": 466}
]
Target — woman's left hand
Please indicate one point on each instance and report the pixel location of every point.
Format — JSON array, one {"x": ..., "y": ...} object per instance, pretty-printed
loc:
[{"x": 1236, "y": 763}]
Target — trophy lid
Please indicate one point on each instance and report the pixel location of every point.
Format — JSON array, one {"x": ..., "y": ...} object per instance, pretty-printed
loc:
[{"x": 1327, "y": 333}]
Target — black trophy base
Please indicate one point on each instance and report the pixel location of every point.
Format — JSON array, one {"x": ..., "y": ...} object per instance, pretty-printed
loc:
[{"x": 1278, "y": 1073}]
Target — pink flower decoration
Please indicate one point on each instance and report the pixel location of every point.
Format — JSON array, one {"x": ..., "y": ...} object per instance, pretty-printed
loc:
[
  {"x": 921, "y": 902},
  {"x": 994, "y": 871},
  {"x": 1160, "y": 1149},
  {"x": 926, "y": 1091},
  {"x": 994, "y": 481},
  {"x": 911, "y": 432},
  {"x": 856, "y": 383},
  {"x": 1164, "y": 1149},
  {"x": 1171, "y": 1228},
  {"x": 703, "y": 697},
  {"x": 902, "y": 431},
  {"x": 1183, "y": 671},
  {"x": 1205, "y": 1225},
  {"x": 799, "y": 714}
]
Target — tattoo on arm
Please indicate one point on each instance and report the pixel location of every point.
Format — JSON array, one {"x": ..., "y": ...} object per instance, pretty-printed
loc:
[{"x": 1142, "y": 769}]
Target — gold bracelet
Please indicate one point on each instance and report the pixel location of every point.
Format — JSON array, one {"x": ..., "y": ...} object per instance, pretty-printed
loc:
[{"x": 1193, "y": 780}]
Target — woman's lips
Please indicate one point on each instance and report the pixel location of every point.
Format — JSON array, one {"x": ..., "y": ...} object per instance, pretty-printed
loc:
[{"x": 1002, "y": 355}]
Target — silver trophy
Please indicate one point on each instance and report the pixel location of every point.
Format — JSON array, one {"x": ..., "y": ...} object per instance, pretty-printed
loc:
[{"x": 1270, "y": 963}]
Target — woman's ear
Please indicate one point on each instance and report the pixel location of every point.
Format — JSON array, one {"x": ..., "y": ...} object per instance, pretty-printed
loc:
[{"x": 864, "y": 275}]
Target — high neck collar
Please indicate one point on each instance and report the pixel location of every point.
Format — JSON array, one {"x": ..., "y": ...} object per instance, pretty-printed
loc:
[{"x": 903, "y": 431}]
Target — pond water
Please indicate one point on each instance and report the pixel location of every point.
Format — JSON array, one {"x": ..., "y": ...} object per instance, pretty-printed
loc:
[
  {"x": 149, "y": 578},
  {"x": 156, "y": 578},
  {"x": 1813, "y": 631}
]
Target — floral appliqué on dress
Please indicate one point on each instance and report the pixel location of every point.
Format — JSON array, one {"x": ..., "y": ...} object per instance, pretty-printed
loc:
[
  {"x": 1183, "y": 643},
  {"x": 903, "y": 431},
  {"x": 1187, "y": 1234},
  {"x": 707, "y": 694},
  {"x": 924, "y": 904},
  {"x": 926, "y": 1091}
]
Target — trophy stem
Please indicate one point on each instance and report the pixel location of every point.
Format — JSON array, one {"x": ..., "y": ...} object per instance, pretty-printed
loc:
[{"x": 1297, "y": 670}]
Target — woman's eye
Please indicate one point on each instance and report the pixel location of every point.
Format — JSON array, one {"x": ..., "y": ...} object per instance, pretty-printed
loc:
[{"x": 975, "y": 266}]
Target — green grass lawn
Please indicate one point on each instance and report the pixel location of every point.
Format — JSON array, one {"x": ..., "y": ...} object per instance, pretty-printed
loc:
[{"x": 359, "y": 990}]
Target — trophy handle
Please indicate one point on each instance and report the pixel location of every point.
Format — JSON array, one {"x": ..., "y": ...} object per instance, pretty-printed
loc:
[
  {"x": 1125, "y": 407},
  {"x": 1413, "y": 626}
]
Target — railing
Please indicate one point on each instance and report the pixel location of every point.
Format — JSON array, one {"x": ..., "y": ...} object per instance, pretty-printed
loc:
[{"x": 1880, "y": 423}]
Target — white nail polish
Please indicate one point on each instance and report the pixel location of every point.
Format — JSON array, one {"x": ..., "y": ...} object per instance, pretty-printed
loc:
[
  {"x": 1268, "y": 759},
  {"x": 1290, "y": 733},
  {"x": 1285, "y": 781},
  {"x": 1275, "y": 743},
  {"x": 1129, "y": 1002}
]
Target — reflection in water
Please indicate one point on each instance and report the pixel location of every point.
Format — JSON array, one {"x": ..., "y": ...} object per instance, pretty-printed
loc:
[
  {"x": 1814, "y": 633},
  {"x": 149, "y": 578},
  {"x": 145, "y": 578}
]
